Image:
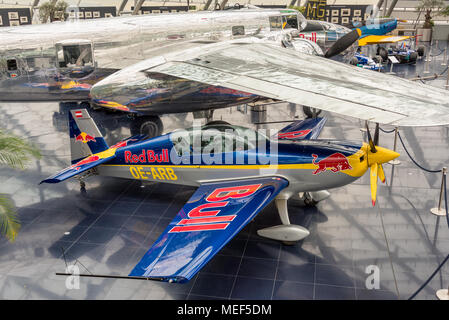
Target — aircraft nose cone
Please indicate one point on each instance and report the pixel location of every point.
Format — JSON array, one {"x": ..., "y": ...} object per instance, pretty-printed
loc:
[{"x": 382, "y": 155}]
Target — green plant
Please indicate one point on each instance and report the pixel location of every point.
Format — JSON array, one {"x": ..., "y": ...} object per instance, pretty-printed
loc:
[
  {"x": 14, "y": 153},
  {"x": 52, "y": 11},
  {"x": 431, "y": 8},
  {"x": 445, "y": 11}
]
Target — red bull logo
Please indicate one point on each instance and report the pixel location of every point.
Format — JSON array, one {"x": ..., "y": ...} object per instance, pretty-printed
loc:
[
  {"x": 312, "y": 37},
  {"x": 84, "y": 138},
  {"x": 335, "y": 162}
]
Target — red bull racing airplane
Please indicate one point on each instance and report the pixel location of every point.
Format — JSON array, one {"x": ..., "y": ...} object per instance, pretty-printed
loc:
[{"x": 237, "y": 170}]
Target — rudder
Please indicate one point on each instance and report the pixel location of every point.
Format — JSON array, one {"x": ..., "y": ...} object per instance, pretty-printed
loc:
[{"x": 85, "y": 137}]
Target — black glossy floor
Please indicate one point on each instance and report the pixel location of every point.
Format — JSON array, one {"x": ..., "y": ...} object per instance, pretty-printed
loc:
[{"x": 110, "y": 227}]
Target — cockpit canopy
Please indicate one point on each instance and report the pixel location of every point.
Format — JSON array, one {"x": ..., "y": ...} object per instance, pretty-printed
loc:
[
  {"x": 216, "y": 138},
  {"x": 74, "y": 53},
  {"x": 288, "y": 21}
]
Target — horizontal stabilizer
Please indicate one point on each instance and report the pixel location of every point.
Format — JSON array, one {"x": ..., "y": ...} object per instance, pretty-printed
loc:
[
  {"x": 306, "y": 129},
  {"x": 79, "y": 167}
]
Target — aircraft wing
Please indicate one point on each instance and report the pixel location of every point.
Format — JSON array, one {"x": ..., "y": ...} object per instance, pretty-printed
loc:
[
  {"x": 307, "y": 129},
  {"x": 286, "y": 75},
  {"x": 381, "y": 39},
  {"x": 214, "y": 214}
]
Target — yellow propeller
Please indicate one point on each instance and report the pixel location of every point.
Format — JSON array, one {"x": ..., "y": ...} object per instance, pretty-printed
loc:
[{"x": 375, "y": 157}]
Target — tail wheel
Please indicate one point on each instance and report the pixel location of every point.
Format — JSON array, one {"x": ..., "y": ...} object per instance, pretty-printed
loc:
[
  {"x": 311, "y": 112},
  {"x": 151, "y": 126}
]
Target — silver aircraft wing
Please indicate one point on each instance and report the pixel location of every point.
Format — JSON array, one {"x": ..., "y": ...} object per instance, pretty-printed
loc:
[{"x": 287, "y": 75}]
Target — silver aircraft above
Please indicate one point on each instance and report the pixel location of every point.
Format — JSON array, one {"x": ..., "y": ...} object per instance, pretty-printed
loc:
[{"x": 184, "y": 62}]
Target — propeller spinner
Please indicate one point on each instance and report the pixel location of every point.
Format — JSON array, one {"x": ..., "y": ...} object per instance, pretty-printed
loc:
[{"x": 376, "y": 156}]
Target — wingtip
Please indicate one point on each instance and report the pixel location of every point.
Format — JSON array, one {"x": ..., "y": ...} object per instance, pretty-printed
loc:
[{"x": 374, "y": 202}]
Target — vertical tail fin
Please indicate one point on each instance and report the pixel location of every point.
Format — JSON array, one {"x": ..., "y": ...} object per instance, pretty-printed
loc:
[{"x": 85, "y": 138}]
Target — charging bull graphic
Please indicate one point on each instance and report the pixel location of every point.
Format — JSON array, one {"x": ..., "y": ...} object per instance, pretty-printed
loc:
[
  {"x": 84, "y": 138},
  {"x": 336, "y": 162}
]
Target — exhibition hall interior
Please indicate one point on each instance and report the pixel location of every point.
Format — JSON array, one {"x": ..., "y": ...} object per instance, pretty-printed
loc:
[{"x": 212, "y": 150}]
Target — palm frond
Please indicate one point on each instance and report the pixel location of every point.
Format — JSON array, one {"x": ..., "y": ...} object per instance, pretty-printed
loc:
[
  {"x": 9, "y": 221},
  {"x": 16, "y": 152}
]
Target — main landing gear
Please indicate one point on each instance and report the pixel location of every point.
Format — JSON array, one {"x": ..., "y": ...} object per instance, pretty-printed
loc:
[
  {"x": 311, "y": 112},
  {"x": 289, "y": 233},
  {"x": 149, "y": 125}
]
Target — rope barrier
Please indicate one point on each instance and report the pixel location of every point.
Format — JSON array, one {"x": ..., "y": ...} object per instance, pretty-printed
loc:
[
  {"x": 430, "y": 278},
  {"x": 447, "y": 220},
  {"x": 447, "y": 257},
  {"x": 386, "y": 131},
  {"x": 446, "y": 208},
  {"x": 428, "y": 170},
  {"x": 436, "y": 55}
]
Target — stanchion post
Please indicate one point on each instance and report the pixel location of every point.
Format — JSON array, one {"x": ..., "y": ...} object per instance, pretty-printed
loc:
[
  {"x": 443, "y": 294},
  {"x": 428, "y": 54},
  {"x": 395, "y": 161},
  {"x": 426, "y": 64},
  {"x": 440, "y": 211},
  {"x": 391, "y": 69},
  {"x": 447, "y": 81},
  {"x": 444, "y": 63}
]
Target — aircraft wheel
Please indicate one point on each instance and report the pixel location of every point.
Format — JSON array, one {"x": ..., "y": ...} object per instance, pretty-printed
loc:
[
  {"x": 84, "y": 105},
  {"x": 413, "y": 57},
  {"x": 421, "y": 51},
  {"x": 377, "y": 59},
  {"x": 309, "y": 201},
  {"x": 383, "y": 53},
  {"x": 215, "y": 122},
  {"x": 354, "y": 61},
  {"x": 311, "y": 112},
  {"x": 68, "y": 105},
  {"x": 151, "y": 126}
]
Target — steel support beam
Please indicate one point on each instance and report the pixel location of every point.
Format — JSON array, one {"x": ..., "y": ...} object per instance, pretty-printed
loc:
[
  {"x": 138, "y": 7},
  {"x": 390, "y": 9},
  {"x": 207, "y": 5},
  {"x": 34, "y": 5},
  {"x": 223, "y": 3},
  {"x": 377, "y": 8},
  {"x": 122, "y": 6}
]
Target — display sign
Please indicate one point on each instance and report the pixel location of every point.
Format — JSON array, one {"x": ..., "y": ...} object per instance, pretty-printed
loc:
[
  {"x": 347, "y": 14},
  {"x": 338, "y": 14},
  {"x": 10, "y": 17},
  {"x": 96, "y": 12},
  {"x": 315, "y": 10}
]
